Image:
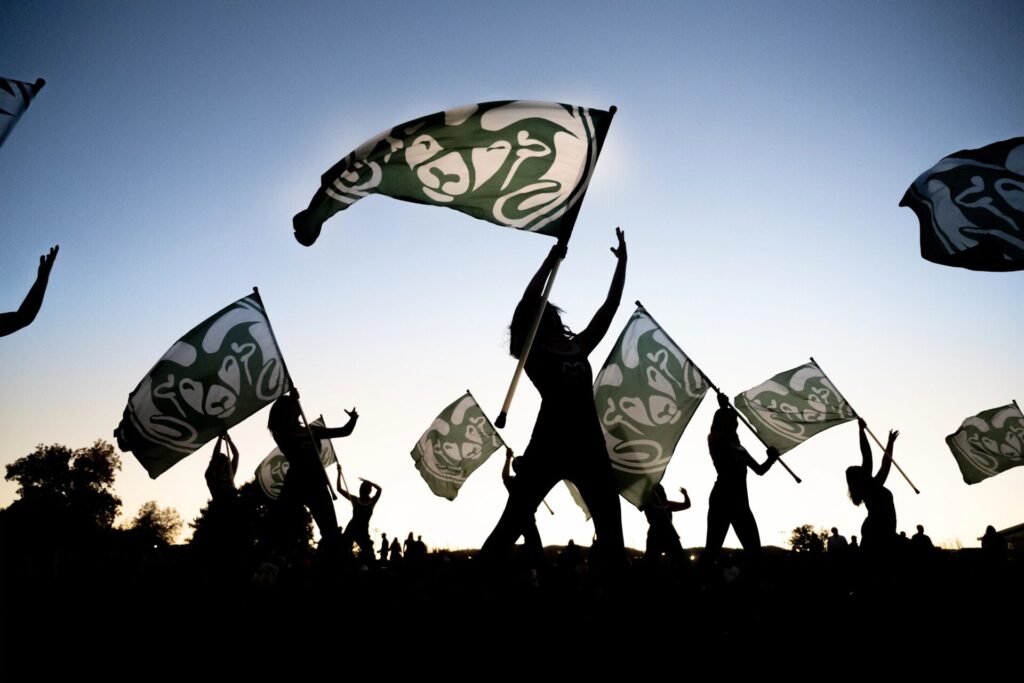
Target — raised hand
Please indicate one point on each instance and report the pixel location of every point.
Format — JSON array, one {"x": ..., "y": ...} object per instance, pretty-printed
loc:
[
  {"x": 46, "y": 261},
  {"x": 352, "y": 413},
  {"x": 620, "y": 250}
]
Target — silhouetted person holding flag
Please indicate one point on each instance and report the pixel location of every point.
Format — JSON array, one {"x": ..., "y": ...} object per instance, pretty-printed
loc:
[
  {"x": 26, "y": 313},
  {"x": 662, "y": 537},
  {"x": 220, "y": 473},
  {"x": 567, "y": 441},
  {"x": 362, "y": 509},
  {"x": 729, "y": 504},
  {"x": 306, "y": 482},
  {"x": 531, "y": 536},
  {"x": 878, "y": 532}
]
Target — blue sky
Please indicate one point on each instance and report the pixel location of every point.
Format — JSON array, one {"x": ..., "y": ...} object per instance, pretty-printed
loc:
[{"x": 756, "y": 163}]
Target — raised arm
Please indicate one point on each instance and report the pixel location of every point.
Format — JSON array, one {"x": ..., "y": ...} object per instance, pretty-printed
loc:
[
  {"x": 375, "y": 496},
  {"x": 589, "y": 338},
  {"x": 865, "y": 447},
  {"x": 883, "y": 471},
  {"x": 675, "y": 506},
  {"x": 506, "y": 471},
  {"x": 26, "y": 313},
  {"x": 234, "y": 454},
  {"x": 338, "y": 485},
  {"x": 335, "y": 432}
]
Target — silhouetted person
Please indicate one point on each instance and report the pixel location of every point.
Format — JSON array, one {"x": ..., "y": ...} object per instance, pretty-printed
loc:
[
  {"x": 993, "y": 545},
  {"x": 421, "y": 547},
  {"x": 920, "y": 541},
  {"x": 854, "y": 545},
  {"x": 396, "y": 550},
  {"x": 878, "y": 532},
  {"x": 567, "y": 441},
  {"x": 837, "y": 543},
  {"x": 26, "y": 313},
  {"x": 729, "y": 504},
  {"x": 362, "y": 509},
  {"x": 220, "y": 473},
  {"x": 384, "y": 547},
  {"x": 662, "y": 537},
  {"x": 306, "y": 482},
  {"x": 409, "y": 545},
  {"x": 531, "y": 536}
]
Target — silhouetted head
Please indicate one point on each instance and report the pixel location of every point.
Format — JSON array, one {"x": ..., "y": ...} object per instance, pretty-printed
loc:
[
  {"x": 835, "y": 531},
  {"x": 920, "y": 528},
  {"x": 365, "y": 489},
  {"x": 857, "y": 479},
  {"x": 284, "y": 414},
  {"x": 990, "y": 530},
  {"x": 658, "y": 494},
  {"x": 724, "y": 424},
  {"x": 551, "y": 329}
]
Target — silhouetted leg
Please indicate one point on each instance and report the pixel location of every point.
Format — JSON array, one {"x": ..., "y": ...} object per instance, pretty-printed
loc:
[
  {"x": 718, "y": 526},
  {"x": 532, "y": 544},
  {"x": 531, "y": 487},
  {"x": 745, "y": 525},
  {"x": 599, "y": 492}
]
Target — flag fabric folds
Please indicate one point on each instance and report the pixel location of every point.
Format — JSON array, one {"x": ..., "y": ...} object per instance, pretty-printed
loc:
[
  {"x": 518, "y": 164},
  {"x": 15, "y": 96},
  {"x": 459, "y": 441},
  {"x": 793, "y": 406},
  {"x": 645, "y": 394},
  {"x": 219, "y": 373},
  {"x": 271, "y": 472},
  {"x": 989, "y": 443},
  {"x": 971, "y": 208}
]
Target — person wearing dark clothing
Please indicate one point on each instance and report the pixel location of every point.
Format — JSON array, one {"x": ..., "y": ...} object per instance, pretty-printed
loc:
[
  {"x": 921, "y": 543},
  {"x": 567, "y": 441},
  {"x": 531, "y": 536},
  {"x": 729, "y": 504},
  {"x": 662, "y": 537},
  {"x": 358, "y": 530},
  {"x": 878, "y": 532},
  {"x": 306, "y": 483},
  {"x": 220, "y": 473}
]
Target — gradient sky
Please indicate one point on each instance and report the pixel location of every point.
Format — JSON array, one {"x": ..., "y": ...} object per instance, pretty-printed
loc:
[{"x": 756, "y": 163}]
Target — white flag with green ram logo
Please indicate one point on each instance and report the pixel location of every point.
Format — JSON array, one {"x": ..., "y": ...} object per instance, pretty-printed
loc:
[
  {"x": 646, "y": 394},
  {"x": 989, "y": 443},
  {"x": 793, "y": 406},
  {"x": 459, "y": 441}
]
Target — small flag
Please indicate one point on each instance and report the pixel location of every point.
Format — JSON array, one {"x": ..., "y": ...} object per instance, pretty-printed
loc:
[
  {"x": 454, "y": 446},
  {"x": 221, "y": 372},
  {"x": 271, "y": 472},
  {"x": 15, "y": 96},
  {"x": 645, "y": 394},
  {"x": 989, "y": 443},
  {"x": 971, "y": 208},
  {"x": 793, "y": 406},
  {"x": 519, "y": 164}
]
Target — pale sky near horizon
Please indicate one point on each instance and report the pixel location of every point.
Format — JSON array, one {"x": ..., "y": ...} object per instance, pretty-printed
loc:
[{"x": 756, "y": 163}]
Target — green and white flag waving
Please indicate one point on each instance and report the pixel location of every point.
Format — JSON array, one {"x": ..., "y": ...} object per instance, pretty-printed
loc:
[
  {"x": 646, "y": 394},
  {"x": 460, "y": 439},
  {"x": 221, "y": 372},
  {"x": 989, "y": 443},
  {"x": 793, "y": 406},
  {"x": 15, "y": 96},
  {"x": 519, "y": 164},
  {"x": 271, "y": 472}
]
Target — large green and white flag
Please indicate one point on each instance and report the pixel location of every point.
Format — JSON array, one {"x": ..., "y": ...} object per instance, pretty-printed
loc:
[
  {"x": 271, "y": 472},
  {"x": 646, "y": 394},
  {"x": 15, "y": 96},
  {"x": 989, "y": 443},
  {"x": 219, "y": 373},
  {"x": 793, "y": 406},
  {"x": 519, "y": 164},
  {"x": 460, "y": 439}
]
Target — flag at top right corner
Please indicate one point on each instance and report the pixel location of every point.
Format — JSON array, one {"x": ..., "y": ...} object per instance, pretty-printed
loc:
[{"x": 971, "y": 208}]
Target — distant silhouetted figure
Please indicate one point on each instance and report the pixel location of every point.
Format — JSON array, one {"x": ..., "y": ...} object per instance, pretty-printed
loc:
[
  {"x": 837, "y": 543},
  {"x": 384, "y": 547},
  {"x": 26, "y": 313},
  {"x": 531, "y": 536},
  {"x": 220, "y": 473},
  {"x": 993, "y": 545},
  {"x": 421, "y": 547},
  {"x": 396, "y": 551},
  {"x": 878, "y": 532},
  {"x": 306, "y": 482},
  {"x": 854, "y": 545},
  {"x": 921, "y": 543},
  {"x": 362, "y": 510},
  {"x": 728, "y": 504},
  {"x": 662, "y": 537},
  {"x": 567, "y": 441}
]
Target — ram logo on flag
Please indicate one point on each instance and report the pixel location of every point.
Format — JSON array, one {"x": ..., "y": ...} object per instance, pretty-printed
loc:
[{"x": 989, "y": 443}]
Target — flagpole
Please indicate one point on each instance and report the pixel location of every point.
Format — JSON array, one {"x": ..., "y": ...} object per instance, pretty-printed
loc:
[
  {"x": 563, "y": 240},
  {"x": 505, "y": 444},
  {"x": 718, "y": 391},
  {"x": 868, "y": 430},
  {"x": 298, "y": 402}
]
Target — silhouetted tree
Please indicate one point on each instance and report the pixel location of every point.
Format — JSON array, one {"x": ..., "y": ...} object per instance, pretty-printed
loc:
[
  {"x": 155, "y": 525},
  {"x": 805, "y": 539}
]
